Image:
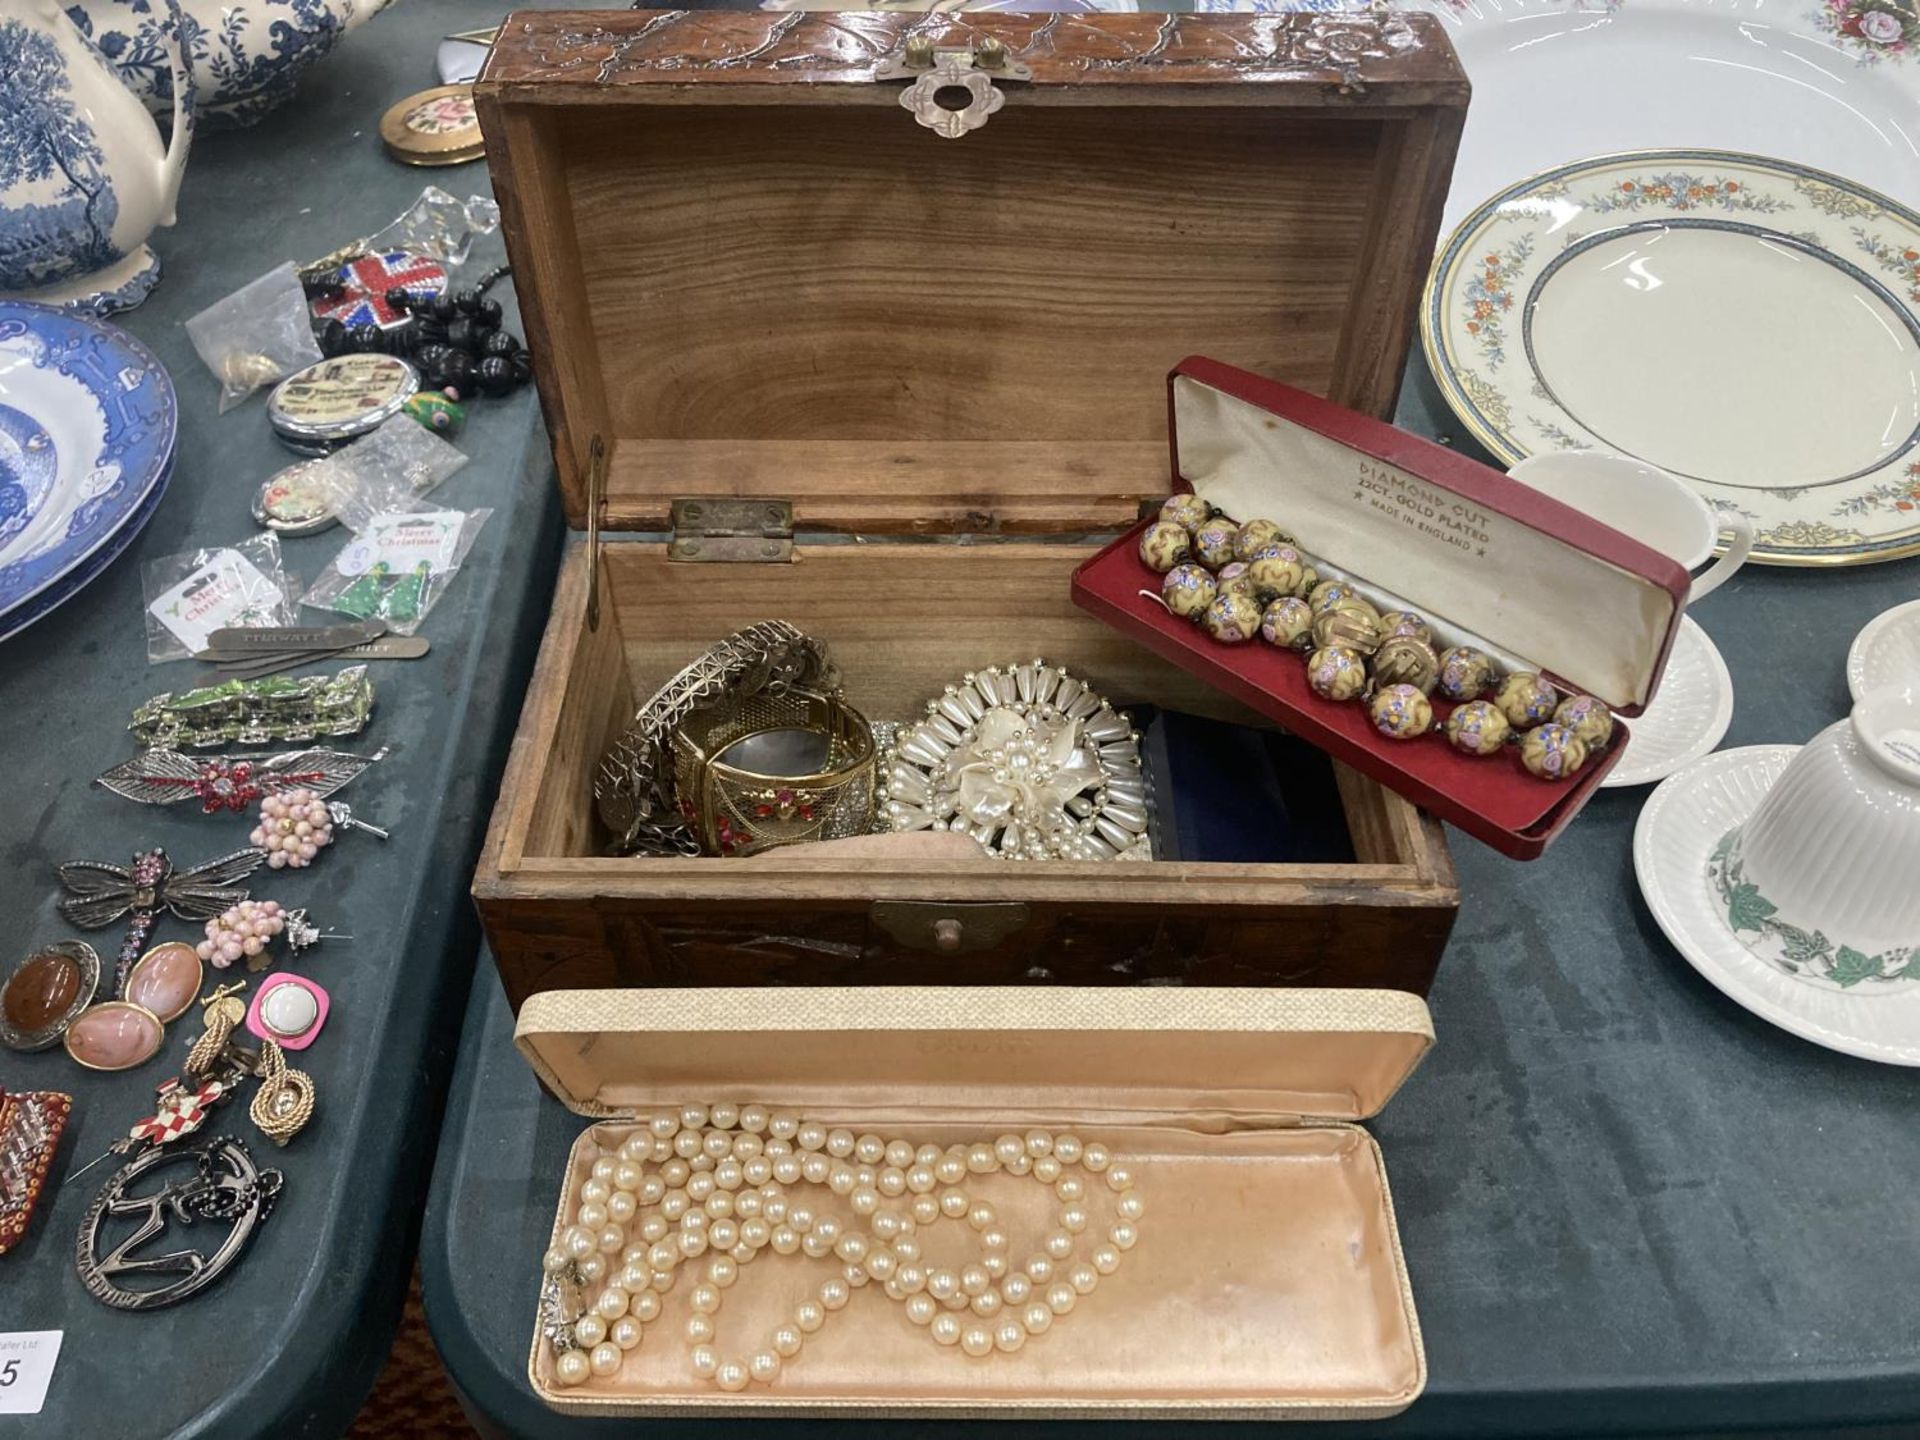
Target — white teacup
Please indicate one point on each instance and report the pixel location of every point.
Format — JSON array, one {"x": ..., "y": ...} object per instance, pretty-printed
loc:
[
  {"x": 1659, "y": 510},
  {"x": 1827, "y": 861}
]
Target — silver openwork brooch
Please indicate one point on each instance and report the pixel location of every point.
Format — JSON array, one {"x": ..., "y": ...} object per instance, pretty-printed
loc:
[
  {"x": 214, "y": 1184},
  {"x": 230, "y": 782}
]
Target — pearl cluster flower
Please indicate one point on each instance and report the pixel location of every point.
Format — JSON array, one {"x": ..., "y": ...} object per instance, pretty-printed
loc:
[
  {"x": 294, "y": 827},
  {"x": 1028, "y": 761},
  {"x": 245, "y": 929},
  {"x": 719, "y": 1186}
]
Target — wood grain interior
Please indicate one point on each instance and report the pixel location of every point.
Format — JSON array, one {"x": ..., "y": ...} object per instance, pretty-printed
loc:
[
  {"x": 811, "y": 275},
  {"x": 595, "y": 694},
  {"x": 1040, "y": 487},
  {"x": 903, "y": 620}
]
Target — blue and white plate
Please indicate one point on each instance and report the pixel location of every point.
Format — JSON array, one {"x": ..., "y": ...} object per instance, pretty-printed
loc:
[
  {"x": 83, "y": 574},
  {"x": 87, "y": 422}
]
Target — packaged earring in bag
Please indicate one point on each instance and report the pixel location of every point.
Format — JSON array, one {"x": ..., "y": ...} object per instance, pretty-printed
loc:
[
  {"x": 389, "y": 469},
  {"x": 257, "y": 335},
  {"x": 398, "y": 566},
  {"x": 220, "y": 587}
]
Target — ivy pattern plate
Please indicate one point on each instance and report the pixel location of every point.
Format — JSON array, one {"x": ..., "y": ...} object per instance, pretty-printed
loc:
[{"x": 1676, "y": 848}]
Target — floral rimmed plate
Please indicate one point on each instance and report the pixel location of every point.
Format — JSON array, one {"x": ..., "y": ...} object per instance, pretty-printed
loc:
[
  {"x": 1750, "y": 325},
  {"x": 1829, "y": 83},
  {"x": 1677, "y": 856}
]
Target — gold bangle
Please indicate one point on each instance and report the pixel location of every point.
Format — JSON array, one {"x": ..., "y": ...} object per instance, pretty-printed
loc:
[
  {"x": 634, "y": 789},
  {"x": 776, "y": 769}
]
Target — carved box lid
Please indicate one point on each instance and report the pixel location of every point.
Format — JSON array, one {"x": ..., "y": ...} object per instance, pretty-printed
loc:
[{"x": 752, "y": 268}]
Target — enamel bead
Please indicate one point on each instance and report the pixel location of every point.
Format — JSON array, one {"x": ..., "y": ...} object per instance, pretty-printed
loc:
[
  {"x": 1552, "y": 752},
  {"x": 1328, "y": 593},
  {"x": 1189, "y": 511},
  {"x": 1400, "y": 712},
  {"x": 1213, "y": 542},
  {"x": 1477, "y": 728},
  {"x": 1406, "y": 624},
  {"x": 1288, "y": 623},
  {"x": 1276, "y": 571},
  {"x": 1587, "y": 718},
  {"x": 1187, "y": 590},
  {"x": 1257, "y": 535},
  {"x": 1234, "y": 579},
  {"x": 1465, "y": 673},
  {"x": 1164, "y": 545},
  {"x": 1526, "y": 700},
  {"x": 1336, "y": 674},
  {"x": 1232, "y": 619}
]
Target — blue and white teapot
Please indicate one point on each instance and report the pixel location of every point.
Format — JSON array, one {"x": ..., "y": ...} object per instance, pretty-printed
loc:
[
  {"x": 84, "y": 175},
  {"x": 247, "y": 55}
]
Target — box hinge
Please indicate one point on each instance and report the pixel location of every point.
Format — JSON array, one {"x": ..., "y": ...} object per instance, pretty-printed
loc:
[
  {"x": 952, "y": 91},
  {"x": 726, "y": 529}
]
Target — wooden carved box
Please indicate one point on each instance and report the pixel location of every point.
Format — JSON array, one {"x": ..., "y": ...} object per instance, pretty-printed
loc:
[{"x": 755, "y": 268}]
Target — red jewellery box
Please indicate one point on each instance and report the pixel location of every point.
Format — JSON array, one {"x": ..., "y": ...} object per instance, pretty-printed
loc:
[{"x": 1488, "y": 561}]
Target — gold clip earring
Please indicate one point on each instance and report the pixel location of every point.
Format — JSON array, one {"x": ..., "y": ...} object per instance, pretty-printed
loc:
[
  {"x": 285, "y": 1101},
  {"x": 220, "y": 1012}
]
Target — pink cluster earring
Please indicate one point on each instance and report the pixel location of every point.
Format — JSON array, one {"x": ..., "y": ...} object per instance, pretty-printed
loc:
[
  {"x": 248, "y": 930},
  {"x": 294, "y": 827}
]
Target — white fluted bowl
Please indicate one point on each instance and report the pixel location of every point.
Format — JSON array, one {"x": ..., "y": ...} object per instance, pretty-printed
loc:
[{"x": 1823, "y": 879}]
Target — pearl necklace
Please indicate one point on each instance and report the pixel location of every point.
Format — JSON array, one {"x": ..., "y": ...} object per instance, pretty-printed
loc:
[{"x": 722, "y": 1182}]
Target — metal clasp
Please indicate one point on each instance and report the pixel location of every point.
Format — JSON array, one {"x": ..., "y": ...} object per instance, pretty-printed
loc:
[
  {"x": 953, "y": 90},
  {"x": 949, "y": 929}
]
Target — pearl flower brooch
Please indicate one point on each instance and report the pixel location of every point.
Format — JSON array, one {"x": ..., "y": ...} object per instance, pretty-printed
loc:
[{"x": 1028, "y": 761}]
